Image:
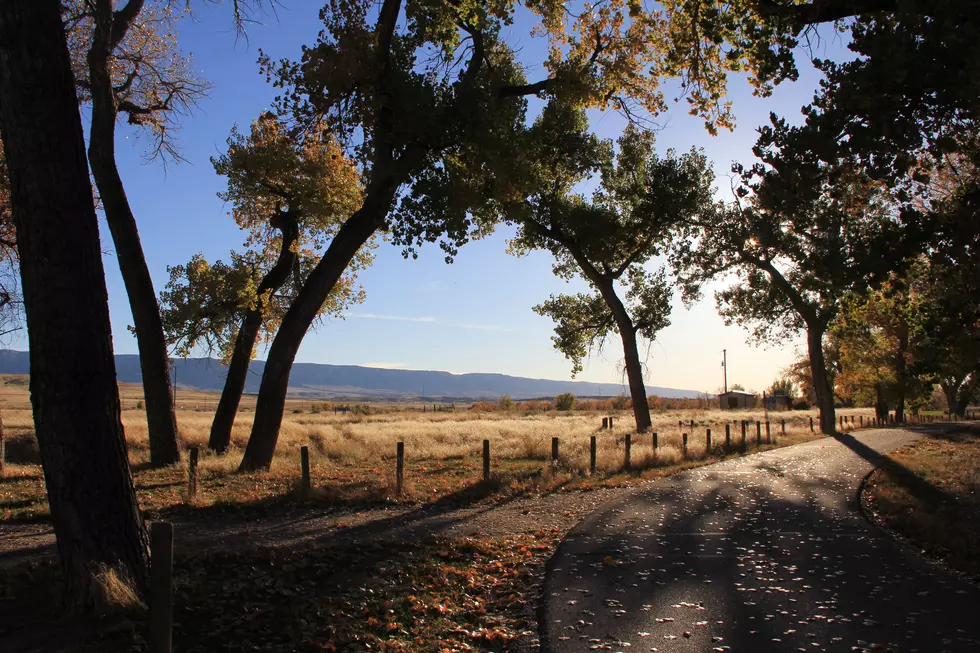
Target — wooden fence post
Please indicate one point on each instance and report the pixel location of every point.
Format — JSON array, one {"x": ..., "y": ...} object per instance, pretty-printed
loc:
[
  {"x": 192, "y": 475},
  {"x": 707, "y": 443},
  {"x": 783, "y": 425},
  {"x": 629, "y": 447},
  {"x": 684, "y": 445},
  {"x": 486, "y": 460},
  {"x": 304, "y": 463},
  {"x": 728, "y": 436},
  {"x": 554, "y": 452},
  {"x": 768, "y": 433},
  {"x": 605, "y": 423},
  {"x": 399, "y": 467},
  {"x": 610, "y": 422},
  {"x": 861, "y": 421},
  {"x": 161, "y": 586},
  {"x": 592, "y": 448},
  {"x": 758, "y": 433},
  {"x": 743, "y": 435},
  {"x": 811, "y": 423},
  {"x": 656, "y": 443}
]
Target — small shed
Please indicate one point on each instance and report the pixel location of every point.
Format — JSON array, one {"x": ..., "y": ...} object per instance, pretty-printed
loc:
[
  {"x": 735, "y": 399},
  {"x": 778, "y": 402}
]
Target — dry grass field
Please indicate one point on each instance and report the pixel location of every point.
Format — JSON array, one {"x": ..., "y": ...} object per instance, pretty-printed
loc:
[{"x": 352, "y": 455}]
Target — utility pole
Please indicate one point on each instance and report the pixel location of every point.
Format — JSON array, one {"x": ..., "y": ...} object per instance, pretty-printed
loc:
[{"x": 724, "y": 367}]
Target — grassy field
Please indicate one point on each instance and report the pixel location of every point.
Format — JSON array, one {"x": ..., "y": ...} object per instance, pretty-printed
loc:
[
  {"x": 930, "y": 493},
  {"x": 352, "y": 456}
]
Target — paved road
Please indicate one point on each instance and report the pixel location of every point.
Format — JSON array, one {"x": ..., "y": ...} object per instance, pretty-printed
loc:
[{"x": 764, "y": 553}]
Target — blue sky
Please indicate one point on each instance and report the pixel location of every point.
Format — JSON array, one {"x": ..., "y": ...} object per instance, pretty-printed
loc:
[{"x": 472, "y": 316}]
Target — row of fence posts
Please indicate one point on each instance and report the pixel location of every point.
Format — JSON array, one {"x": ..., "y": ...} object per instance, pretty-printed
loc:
[
  {"x": 607, "y": 423},
  {"x": 306, "y": 484}
]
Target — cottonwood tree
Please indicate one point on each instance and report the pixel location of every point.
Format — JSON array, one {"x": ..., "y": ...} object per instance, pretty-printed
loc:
[
  {"x": 876, "y": 334},
  {"x": 802, "y": 234},
  {"x": 607, "y": 238},
  {"x": 947, "y": 332},
  {"x": 73, "y": 378},
  {"x": 910, "y": 91},
  {"x": 127, "y": 63},
  {"x": 290, "y": 194},
  {"x": 436, "y": 97}
]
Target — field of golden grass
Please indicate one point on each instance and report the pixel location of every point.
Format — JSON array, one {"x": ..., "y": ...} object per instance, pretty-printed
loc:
[{"x": 352, "y": 455}]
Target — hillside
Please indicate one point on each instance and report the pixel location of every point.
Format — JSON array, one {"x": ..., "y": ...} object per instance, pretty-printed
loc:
[{"x": 316, "y": 380}]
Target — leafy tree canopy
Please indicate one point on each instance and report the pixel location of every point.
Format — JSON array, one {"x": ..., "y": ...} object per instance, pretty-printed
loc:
[
  {"x": 801, "y": 234},
  {"x": 279, "y": 185},
  {"x": 153, "y": 81}
]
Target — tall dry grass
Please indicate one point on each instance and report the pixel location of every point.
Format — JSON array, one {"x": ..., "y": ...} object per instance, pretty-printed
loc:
[{"x": 346, "y": 438}]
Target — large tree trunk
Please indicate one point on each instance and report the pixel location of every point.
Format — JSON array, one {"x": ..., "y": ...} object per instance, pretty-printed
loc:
[
  {"x": 231, "y": 395},
  {"x": 634, "y": 373},
  {"x": 73, "y": 377},
  {"x": 901, "y": 371},
  {"x": 951, "y": 388},
  {"x": 881, "y": 404},
  {"x": 631, "y": 355},
  {"x": 821, "y": 380},
  {"x": 275, "y": 378},
  {"x": 150, "y": 339}
]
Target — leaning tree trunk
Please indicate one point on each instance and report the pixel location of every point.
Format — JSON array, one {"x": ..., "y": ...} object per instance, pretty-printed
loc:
[
  {"x": 634, "y": 374},
  {"x": 231, "y": 395},
  {"x": 271, "y": 401},
  {"x": 73, "y": 378},
  {"x": 631, "y": 355},
  {"x": 150, "y": 339},
  {"x": 821, "y": 380}
]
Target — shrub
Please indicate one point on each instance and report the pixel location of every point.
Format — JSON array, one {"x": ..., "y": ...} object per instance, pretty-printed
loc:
[
  {"x": 505, "y": 403},
  {"x": 565, "y": 401},
  {"x": 139, "y": 405}
]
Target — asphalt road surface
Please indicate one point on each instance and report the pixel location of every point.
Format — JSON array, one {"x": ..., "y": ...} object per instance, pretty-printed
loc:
[{"x": 765, "y": 553}]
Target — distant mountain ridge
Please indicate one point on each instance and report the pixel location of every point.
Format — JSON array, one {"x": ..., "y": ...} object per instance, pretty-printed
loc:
[{"x": 318, "y": 380}]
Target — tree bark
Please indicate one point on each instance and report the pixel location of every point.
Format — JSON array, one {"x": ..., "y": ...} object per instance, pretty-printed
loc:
[
  {"x": 881, "y": 404},
  {"x": 231, "y": 395},
  {"x": 901, "y": 370},
  {"x": 150, "y": 339},
  {"x": 73, "y": 377},
  {"x": 631, "y": 356},
  {"x": 951, "y": 388},
  {"x": 821, "y": 380},
  {"x": 275, "y": 378}
]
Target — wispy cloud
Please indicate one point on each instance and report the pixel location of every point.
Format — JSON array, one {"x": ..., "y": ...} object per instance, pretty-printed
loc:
[
  {"x": 432, "y": 320},
  {"x": 393, "y": 318}
]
